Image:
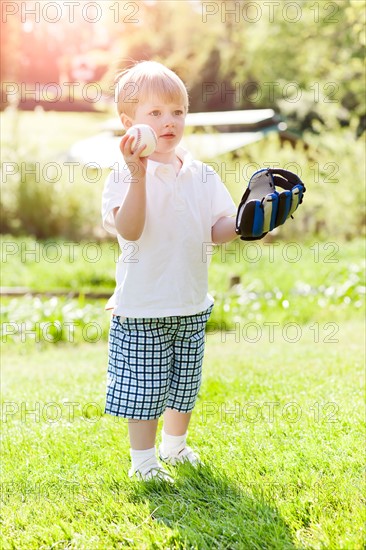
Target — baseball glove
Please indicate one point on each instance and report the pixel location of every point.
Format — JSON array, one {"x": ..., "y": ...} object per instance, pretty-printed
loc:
[{"x": 262, "y": 207}]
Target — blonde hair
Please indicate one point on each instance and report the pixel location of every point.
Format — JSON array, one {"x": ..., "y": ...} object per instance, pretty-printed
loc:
[{"x": 148, "y": 79}]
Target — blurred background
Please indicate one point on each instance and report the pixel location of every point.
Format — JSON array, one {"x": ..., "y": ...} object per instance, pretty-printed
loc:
[{"x": 304, "y": 61}]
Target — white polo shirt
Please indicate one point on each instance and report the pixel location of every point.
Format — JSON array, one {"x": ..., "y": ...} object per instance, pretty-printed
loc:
[{"x": 165, "y": 272}]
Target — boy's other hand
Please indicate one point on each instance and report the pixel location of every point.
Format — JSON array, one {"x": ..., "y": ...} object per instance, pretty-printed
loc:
[{"x": 136, "y": 164}]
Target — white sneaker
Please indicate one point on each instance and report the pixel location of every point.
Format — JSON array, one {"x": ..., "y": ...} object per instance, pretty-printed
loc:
[
  {"x": 178, "y": 457},
  {"x": 155, "y": 471}
]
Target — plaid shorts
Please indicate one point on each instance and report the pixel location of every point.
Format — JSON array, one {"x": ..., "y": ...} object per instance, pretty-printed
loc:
[{"x": 155, "y": 363}]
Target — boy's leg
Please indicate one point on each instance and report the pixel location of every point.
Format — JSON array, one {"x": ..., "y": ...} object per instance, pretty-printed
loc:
[
  {"x": 142, "y": 433},
  {"x": 143, "y": 452},
  {"x": 175, "y": 422},
  {"x": 138, "y": 386},
  {"x": 184, "y": 386},
  {"x": 174, "y": 448}
]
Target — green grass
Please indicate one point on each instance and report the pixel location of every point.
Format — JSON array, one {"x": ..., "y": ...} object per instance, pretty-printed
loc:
[
  {"x": 324, "y": 285},
  {"x": 88, "y": 264},
  {"x": 278, "y": 421},
  {"x": 59, "y": 264},
  {"x": 279, "y": 425}
]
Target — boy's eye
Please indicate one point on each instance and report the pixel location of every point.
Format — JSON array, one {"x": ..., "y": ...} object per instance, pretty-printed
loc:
[
  {"x": 178, "y": 112},
  {"x": 155, "y": 113}
]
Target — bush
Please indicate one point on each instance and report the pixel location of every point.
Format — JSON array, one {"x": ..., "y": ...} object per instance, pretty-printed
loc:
[
  {"x": 332, "y": 166},
  {"x": 44, "y": 208},
  {"x": 42, "y": 195}
]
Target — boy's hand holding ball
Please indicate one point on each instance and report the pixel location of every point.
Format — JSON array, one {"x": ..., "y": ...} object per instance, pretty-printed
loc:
[
  {"x": 144, "y": 135},
  {"x": 140, "y": 139}
]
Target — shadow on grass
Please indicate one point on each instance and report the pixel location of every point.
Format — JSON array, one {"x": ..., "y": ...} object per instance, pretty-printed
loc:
[{"x": 206, "y": 510}]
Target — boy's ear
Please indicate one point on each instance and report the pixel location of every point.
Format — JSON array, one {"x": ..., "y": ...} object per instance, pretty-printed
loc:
[{"x": 126, "y": 121}]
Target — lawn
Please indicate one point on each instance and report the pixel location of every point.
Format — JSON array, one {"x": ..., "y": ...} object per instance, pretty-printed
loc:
[
  {"x": 280, "y": 287},
  {"x": 279, "y": 422},
  {"x": 279, "y": 426}
]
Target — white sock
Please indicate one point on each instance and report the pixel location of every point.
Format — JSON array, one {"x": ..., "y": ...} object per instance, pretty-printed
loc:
[
  {"x": 172, "y": 443},
  {"x": 143, "y": 460}
]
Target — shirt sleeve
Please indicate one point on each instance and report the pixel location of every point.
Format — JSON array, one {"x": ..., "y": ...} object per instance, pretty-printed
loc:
[
  {"x": 222, "y": 203},
  {"x": 114, "y": 192}
]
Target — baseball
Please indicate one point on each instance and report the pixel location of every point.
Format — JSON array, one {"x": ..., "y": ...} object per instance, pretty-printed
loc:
[{"x": 144, "y": 135}]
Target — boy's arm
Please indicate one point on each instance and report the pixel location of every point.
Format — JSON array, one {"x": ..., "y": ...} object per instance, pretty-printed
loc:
[
  {"x": 130, "y": 217},
  {"x": 224, "y": 230}
]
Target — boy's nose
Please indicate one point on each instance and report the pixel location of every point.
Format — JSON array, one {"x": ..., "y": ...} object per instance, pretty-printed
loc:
[{"x": 169, "y": 122}]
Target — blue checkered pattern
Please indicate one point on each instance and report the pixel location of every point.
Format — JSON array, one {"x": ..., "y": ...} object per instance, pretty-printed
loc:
[{"x": 155, "y": 363}]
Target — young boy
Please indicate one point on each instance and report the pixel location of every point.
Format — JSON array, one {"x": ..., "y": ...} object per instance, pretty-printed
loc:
[{"x": 164, "y": 210}]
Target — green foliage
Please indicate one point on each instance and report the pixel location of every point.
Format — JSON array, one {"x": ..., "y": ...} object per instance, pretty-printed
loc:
[
  {"x": 42, "y": 193},
  {"x": 244, "y": 47},
  {"x": 57, "y": 205},
  {"x": 223, "y": 47},
  {"x": 75, "y": 266},
  {"x": 32, "y": 320},
  {"x": 275, "y": 282},
  {"x": 43, "y": 208}
]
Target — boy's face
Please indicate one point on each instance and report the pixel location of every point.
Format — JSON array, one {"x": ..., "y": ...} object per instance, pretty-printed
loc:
[{"x": 167, "y": 119}]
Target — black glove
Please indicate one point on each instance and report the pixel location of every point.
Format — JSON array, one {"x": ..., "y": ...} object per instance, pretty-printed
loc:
[{"x": 262, "y": 208}]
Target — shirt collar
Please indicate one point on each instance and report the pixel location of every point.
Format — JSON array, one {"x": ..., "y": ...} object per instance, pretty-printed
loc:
[{"x": 183, "y": 154}]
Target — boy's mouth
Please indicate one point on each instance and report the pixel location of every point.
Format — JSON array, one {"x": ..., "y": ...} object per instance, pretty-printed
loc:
[{"x": 168, "y": 135}]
